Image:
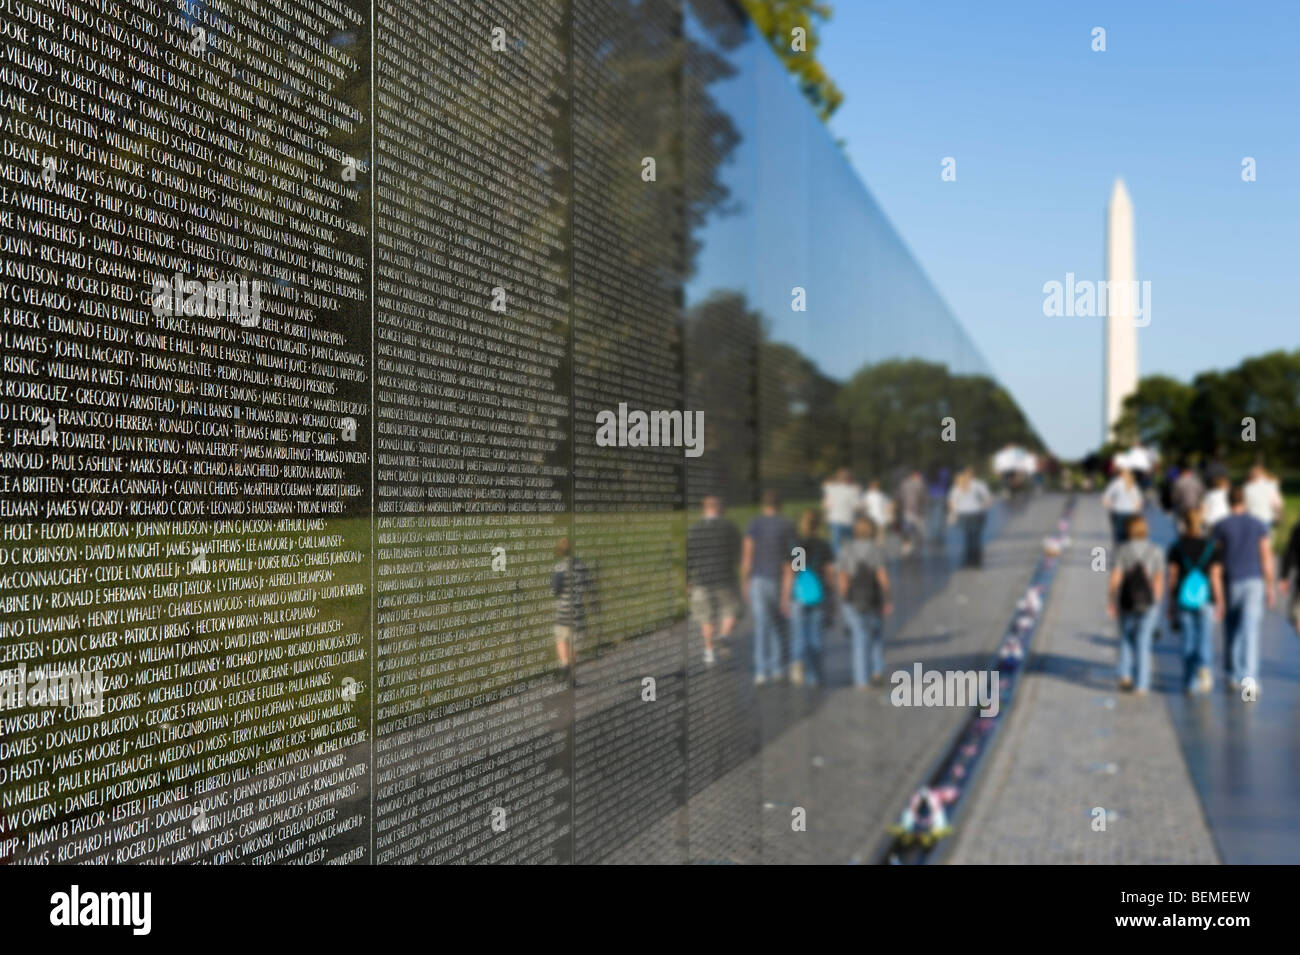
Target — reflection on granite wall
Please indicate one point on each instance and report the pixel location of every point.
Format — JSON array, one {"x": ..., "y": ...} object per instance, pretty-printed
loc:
[{"x": 329, "y": 531}]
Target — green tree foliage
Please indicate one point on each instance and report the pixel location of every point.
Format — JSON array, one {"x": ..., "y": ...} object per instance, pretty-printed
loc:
[
  {"x": 988, "y": 419},
  {"x": 723, "y": 337},
  {"x": 1157, "y": 413},
  {"x": 1206, "y": 417},
  {"x": 893, "y": 411},
  {"x": 777, "y": 20},
  {"x": 775, "y": 420},
  {"x": 800, "y": 434}
]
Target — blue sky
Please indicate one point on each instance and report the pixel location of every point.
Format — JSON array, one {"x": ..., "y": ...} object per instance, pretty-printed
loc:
[{"x": 1040, "y": 126}]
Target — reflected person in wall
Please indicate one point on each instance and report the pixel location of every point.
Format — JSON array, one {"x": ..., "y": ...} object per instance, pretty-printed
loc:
[
  {"x": 864, "y": 587},
  {"x": 911, "y": 508},
  {"x": 841, "y": 500},
  {"x": 968, "y": 505},
  {"x": 877, "y": 506},
  {"x": 806, "y": 599},
  {"x": 765, "y": 571},
  {"x": 571, "y": 587},
  {"x": 712, "y": 551}
]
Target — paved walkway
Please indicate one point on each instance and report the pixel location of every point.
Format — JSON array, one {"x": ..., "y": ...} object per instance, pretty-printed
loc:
[
  {"x": 845, "y": 757},
  {"x": 1075, "y": 744},
  {"x": 1245, "y": 758}
]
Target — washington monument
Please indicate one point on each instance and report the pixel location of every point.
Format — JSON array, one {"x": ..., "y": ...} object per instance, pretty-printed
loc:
[{"x": 1121, "y": 333}]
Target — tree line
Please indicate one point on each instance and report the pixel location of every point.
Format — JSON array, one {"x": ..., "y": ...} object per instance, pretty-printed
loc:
[
  {"x": 1239, "y": 415},
  {"x": 775, "y": 420}
]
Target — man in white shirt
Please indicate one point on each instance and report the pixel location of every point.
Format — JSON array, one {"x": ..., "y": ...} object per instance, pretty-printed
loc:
[
  {"x": 877, "y": 506},
  {"x": 841, "y": 499},
  {"x": 1122, "y": 499},
  {"x": 1263, "y": 498},
  {"x": 1142, "y": 463},
  {"x": 1214, "y": 506}
]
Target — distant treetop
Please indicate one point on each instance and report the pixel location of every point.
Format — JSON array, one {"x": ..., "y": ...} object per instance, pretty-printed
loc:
[{"x": 777, "y": 20}]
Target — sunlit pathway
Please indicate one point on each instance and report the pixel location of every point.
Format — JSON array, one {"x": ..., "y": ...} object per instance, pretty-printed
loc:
[
  {"x": 1245, "y": 758},
  {"x": 1075, "y": 745}
]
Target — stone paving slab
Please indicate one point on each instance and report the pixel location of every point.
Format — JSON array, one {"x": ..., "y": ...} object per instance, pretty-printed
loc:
[{"x": 1074, "y": 743}]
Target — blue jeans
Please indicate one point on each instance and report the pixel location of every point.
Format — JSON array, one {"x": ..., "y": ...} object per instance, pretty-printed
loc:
[
  {"x": 806, "y": 623},
  {"x": 868, "y": 643},
  {"x": 972, "y": 527},
  {"x": 764, "y": 600},
  {"x": 1241, "y": 628},
  {"x": 936, "y": 519},
  {"x": 1119, "y": 526},
  {"x": 839, "y": 534},
  {"x": 1198, "y": 640},
  {"x": 1135, "y": 633}
]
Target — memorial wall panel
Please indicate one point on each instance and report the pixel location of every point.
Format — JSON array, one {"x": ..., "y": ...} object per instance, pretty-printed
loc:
[
  {"x": 628, "y": 491},
  {"x": 185, "y": 473},
  {"x": 473, "y": 756},
  {"x": 723, "y": 345},
  {"x": 365, "y": 370}
]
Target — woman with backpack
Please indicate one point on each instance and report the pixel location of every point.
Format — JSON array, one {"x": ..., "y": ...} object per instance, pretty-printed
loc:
[
  {"x": 1196, "y": 598},
  {"x": 810, "y": 587},
  {"x": 864, "y": 601},
  {"x": 1137, "y": 584}
]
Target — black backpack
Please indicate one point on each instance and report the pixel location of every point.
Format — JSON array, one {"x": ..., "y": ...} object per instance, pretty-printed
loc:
[
  {"x": 864, "y": 589},
  {"x": 1135, "y": 594}
]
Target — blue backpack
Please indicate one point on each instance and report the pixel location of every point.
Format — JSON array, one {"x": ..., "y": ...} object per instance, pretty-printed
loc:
[
  {"x": 1194, "y": 590},
  {"x": 808, "y": 588}
]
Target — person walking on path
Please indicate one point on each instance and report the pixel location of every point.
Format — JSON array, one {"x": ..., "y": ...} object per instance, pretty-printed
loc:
[
  {"x": 877, "y": 506},
  {"x": 764, "y": 569},
  {"x": 1263, "y": 497},
  {"x": 712, "y": 553},
  {"x": 1248, "y": 569},
  {"x": 1196, "y": 599},
  {"x": 864, "y": 588},
  {"x": 911, "y": 504},
  {"x": 968, "y": 504},
  {"x": 938, "y": 488},
  {"x": 841, "y": 498},
  {"x": 1214, "y": 507},
  {"x": 1216, "y": 469},
  {"x": 572, "y": 589},
  {"x": 1141, "y": 463},
  {"x": 806, "y": 599},
  {"x": 1187, "y": 492},
  {"x": 1290, "y": 570},
  {"x": 1122, "y": 500},
  {"x": 1136, "y": 588}
]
